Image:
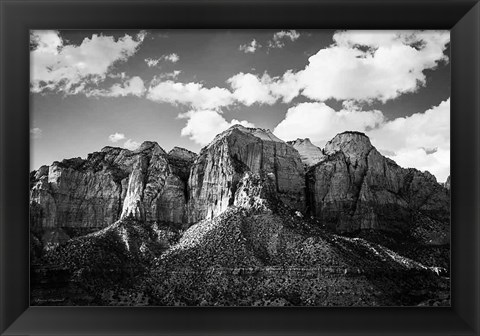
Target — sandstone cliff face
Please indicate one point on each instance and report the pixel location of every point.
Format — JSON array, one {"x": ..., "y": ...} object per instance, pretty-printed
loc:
[
  {"x": 154, "y": 193},
  {"x": 221, "y": 165},
  {"x": 182, "y": 153},
  {"x": 146, "y": 184},
  {"x": 355, "y": 187},
  {"x": 351, "y": 187},
  {"x": 309, "y": 153}
]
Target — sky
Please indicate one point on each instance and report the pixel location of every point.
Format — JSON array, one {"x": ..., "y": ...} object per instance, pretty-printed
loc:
[{"x": 91, "y": 89}]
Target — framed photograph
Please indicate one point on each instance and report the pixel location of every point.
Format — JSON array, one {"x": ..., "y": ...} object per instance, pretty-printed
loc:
[{"x": 274, "y": 167}]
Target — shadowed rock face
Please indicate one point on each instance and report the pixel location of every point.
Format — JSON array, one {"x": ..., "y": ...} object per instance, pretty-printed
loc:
[
  {"x": 182, "y": 153},
  {"x": 215, "y": 174},
  {"x": 309, "y": 153},
  {"x": 355, "y": 187},
  {"x": 146, "y": 184}
]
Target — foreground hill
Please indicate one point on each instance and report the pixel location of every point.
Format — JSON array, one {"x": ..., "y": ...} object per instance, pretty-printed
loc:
[{"x": 240, "y": 257}]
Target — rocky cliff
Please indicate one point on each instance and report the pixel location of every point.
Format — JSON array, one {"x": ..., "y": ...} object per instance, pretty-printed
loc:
[
  {"x": 146, "y": 184},
  {"x": 309, "y": 153},
  {"x": 355, "y": 187},
  {"x": 348, "y": 186},
  {"x": 239, "y": 150}
]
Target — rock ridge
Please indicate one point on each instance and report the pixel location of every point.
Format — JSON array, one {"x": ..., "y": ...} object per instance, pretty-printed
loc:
[
  {"x": 348, "y": 185},
  {"x": 222, "y": 164}
]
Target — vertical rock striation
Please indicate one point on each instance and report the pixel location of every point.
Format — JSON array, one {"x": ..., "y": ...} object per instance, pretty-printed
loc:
[
  {"x": 309, "y": 153},
  {"x": 355, "y": 187},
  {"x": 221, "y": 165},
  {"x": 146, "y": 184},
  {"x": 348, "y": 186}
]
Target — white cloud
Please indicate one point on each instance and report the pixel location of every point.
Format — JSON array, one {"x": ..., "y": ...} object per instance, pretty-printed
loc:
[
  {"x": 250, "y": 47},
  {"x": 191, "y": 94},
  {"x": 131, "y": 145},
  {"x": 203, "y": 125},
  {"x": 286, "y": 87},
  {"x": 279, "y": 38},
  {"x": 408, "y": 141},
  {"x": 167, "y": 75},
  {"x": 116, "y": 137},
  {"x": 121, "y": 75},
  {"x": 153, "y": 62},
  {"x": 174, "y": 58},
  {"x": 35, "y": 133},
  {"x": 249, "y": 88},
  {"x": 321, "y": 123},
  {"x": 358, "y": 66},
  {"x": 367, "y": 65},
  {"x": 134, "y": 86},
  {"x": 61, "y": 67},
  {"x": 131, "y": 87}
]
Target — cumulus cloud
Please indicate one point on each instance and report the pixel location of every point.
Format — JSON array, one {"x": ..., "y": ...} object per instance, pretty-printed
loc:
[
  {"x": 321, "y": 123},
  {"x": 174, "y": 58},
  {"x": 131, "y": 87},
  {"x": 203, "y": 125},
  {"x": 368, "y": 65},
  {"x": 131, "y": 145},
  {"x": 249, "y": 88},
  {"x": 35, "y": 133},
  {"x": 250, "y": 47},
  {"x": 358, "y": 66},
  {"x": 279, "y": 38},
  {"x": 193, "y": 95},
  {"x": 116, "y": 137},
  {"x": 153, "y": 62},
  {"x": 420, "y": 141},
  {"x": 246, "y": 88},
  {"x": 67, "y": 68}
]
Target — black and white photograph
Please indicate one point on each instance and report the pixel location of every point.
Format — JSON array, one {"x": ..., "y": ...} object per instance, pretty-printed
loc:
[{"x": 274, "y": 168}]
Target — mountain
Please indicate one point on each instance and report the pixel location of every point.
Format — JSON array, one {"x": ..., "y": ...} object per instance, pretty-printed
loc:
[
  {"x": 81, "y": 196},
  {"x": 251, "y": 220},
  {"x": 355, "y": 187},
  {"x": 239, "y": 150},
  {"x": 309, "y": 153}
]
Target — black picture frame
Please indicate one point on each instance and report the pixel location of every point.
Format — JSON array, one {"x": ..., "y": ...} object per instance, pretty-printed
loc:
[{"x": 462, "y": 17}]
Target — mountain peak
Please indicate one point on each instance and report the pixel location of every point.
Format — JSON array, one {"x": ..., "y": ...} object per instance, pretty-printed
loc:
[
  {"x": 263, "y": 134},
  {"x": 150, "y": 146},
  {"x": 309, "y": 153},
  {"x": 111, "y": 149},
  {"x": 299, "y": 141},
  {"x": 351, "y": 143},
  {"x": 182, "y": 153}
]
